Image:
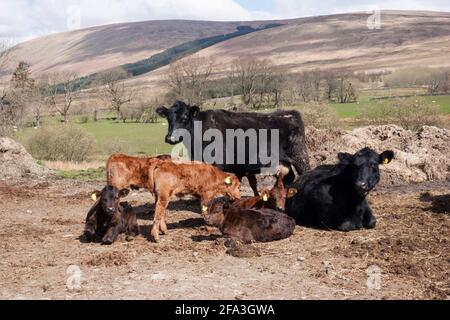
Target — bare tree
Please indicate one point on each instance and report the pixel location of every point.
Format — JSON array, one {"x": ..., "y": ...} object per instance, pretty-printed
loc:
[
  {"x": 330, "y": 84},
  {"x": 21, "y": 78},
  {"x": 116, "y": 92},
  {"x": 187, "y": 78},
  {"x": 253, "y": 77},
  {"x": 346, "y": 89},
  {"x": 438, "y": 82},
  {"x": 40, "y": 98},
  {"x": 61, "y": 92}
]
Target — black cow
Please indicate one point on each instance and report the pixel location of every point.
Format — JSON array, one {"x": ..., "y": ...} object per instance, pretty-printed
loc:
[
  {"x": 334, "y": 196},
  {"x": 292, "y": 145},
  {"x": 109, "y": 217}
]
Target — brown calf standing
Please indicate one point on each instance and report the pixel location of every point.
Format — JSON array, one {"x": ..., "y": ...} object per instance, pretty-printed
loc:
[
  {"x": 248, "y": 225},
  {"x": 109, "y": 217},
  {"x": 274, "y": 198},
  {"x": 196, "y": 178},
  {"x": 125, "y": 172}
]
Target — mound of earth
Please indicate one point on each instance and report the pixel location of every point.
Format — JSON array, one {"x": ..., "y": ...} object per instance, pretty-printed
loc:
[
  {"x": 419, "y": 156},
  {"x": 16, "y": 163}
]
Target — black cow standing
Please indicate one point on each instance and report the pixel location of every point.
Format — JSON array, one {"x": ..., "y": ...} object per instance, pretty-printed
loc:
[
  {"x": 334, "y": 196},
  {"x": 292, "y": 145},
  {"x": 109, "y": 217}
]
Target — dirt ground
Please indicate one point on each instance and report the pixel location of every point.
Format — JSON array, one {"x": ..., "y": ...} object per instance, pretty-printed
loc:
[{"x": 407, "y": 256}]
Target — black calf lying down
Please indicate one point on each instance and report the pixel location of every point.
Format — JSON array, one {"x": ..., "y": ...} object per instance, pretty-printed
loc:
[
  {"x": 334, "y": 196},
  {"x": 109, "y": 217},
  {"x": 249, "y": 225}
]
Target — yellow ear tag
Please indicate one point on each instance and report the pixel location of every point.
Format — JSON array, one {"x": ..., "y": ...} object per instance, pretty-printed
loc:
[
  {"x": 265, "y": 198},
  {"x": 204, "y": 209},
  {"x": 94, "y": 197},
  {"x": 228, "y": 180},
  {"x": 386, "y": 161}
]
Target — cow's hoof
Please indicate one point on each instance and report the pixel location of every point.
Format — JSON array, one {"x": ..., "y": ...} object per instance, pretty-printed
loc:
[
  {"x": 107, "y": 242},
  {"x": 347, "y": 226},
  {"x": 372, "y": 223}
]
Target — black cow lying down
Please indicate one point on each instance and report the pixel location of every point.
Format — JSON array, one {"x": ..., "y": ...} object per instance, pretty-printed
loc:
[
  {"x": 109, "y": 217},
  {"x": 334, "y": 196},
  {"x": 248, "y": 225}
]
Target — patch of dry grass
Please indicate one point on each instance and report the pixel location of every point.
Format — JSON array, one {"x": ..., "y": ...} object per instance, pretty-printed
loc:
[{"x": 69, "y": 165}]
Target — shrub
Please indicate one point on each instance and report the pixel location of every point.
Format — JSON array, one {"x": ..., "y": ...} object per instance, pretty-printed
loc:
[
  {"x": 62, "y": 143},
  {"x": 409, "y": 113},
  {"x": 116, "y": 146},
  {"x": 84, "y": 119},
  {"x": 319, "y": 115}
]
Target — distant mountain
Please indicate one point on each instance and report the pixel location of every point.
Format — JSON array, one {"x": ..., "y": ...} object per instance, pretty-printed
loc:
[
  {"x": 405, "y": 38},
  {"x": 98, "y": 48}
]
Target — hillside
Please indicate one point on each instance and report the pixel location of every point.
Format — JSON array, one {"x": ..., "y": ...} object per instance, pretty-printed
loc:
[
  {"x": 94, "y": 49},
  {"x": 406, "y": 38},
  {"x": 344, "y": 41}
]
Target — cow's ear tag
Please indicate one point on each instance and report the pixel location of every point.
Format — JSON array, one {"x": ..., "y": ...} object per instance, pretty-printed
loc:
[
  {"x": 94, "y": 197},
  {"x": 386, "y": 160},
  {"x": 228, "y": 181},
  {"x": 204, "y": 209},
  {"x": 265, "y": 198}
]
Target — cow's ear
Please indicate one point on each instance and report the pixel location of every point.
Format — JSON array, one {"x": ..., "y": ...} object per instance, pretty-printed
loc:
[
  {"x": 96, "y": 195},
  {"x": 344, "y": 157},
  {"x": 386, "y": 157},
  {"x": 123, "y": 193},
  {"x": 162, "y": 111},
  {"x": 194, "y": 111},
  {"x": 291, "y": 192}
]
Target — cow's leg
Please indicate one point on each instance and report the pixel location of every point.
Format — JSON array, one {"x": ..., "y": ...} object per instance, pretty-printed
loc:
[
  {"x": 162, "y": 224},
  {"x": 111, "y": 234},
  {"x": 90, "y": 226},
  {"x": 354, "y": 221},
  {"x": 133, "y": 227},
  {"x": 369, "y": 221},
  {"x": 253, "y": 183},
  {"x": 160, "y": 209}
]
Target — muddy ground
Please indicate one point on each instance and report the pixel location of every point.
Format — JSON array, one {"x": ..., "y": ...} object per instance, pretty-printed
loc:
[{"x": 41, "y": 224}]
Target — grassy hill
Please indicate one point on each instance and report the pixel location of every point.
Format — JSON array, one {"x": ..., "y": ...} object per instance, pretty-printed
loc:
[{"x": 94, "y": 49}]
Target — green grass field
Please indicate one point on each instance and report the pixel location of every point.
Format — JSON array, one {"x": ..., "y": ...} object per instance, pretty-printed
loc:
[
  {"x": 148, "y": 139},
  {"x": 137, "y": 138},
  {"x": 351, "y": 110}
]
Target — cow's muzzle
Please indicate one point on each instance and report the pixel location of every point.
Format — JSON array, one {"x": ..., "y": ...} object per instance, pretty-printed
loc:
[{"x": 173, "y": 140}]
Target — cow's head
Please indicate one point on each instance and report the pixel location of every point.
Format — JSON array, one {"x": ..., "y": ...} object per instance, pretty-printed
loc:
[
  {"x": 215, "y": 215},
  {"x": 179, "y": 116},
  {"x": 363, "y": 168},
  {"x": 232, "y": 187},
  {"x": 109, "y": 199},
  {"x": 277, "y": 196}
]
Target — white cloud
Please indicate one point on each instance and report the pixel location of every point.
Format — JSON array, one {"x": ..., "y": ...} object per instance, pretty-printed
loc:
[
  {"x": 304, "y": 8},
  {"x": 25, "y": 19}
]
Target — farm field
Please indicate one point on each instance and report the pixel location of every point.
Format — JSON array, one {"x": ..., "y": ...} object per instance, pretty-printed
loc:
[{"x": 409, "y": 247}]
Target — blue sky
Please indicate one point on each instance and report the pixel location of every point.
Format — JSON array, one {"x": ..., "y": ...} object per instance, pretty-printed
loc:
[{"x": 21, "y": 20}]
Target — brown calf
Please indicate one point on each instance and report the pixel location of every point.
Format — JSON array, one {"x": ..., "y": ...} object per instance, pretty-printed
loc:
[
  {"x": 274, "y": 198},
  {"x": 124, "y": 172},
  {"x": 248, "y": 225},
  {"x": 109, "y": 217},
  {"x": 195, "y": 178}
]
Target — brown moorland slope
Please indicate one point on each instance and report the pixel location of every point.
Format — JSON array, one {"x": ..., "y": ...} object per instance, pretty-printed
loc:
[{"x": 94, "y": 49}]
